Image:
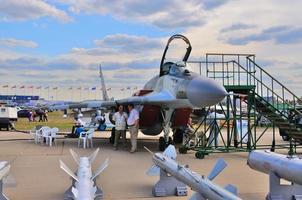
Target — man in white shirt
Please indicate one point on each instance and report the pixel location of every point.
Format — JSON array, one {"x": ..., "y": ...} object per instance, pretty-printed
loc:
[
  {"x": 120, "y": 119},
  {"x": 133, "y": 124}
]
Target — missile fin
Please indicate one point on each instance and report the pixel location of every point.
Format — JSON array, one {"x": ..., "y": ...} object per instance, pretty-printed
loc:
[
  {"x": 153, "y": 171},
  {"x": 4, "y": 171},
  {"x": 9, "y": 181},
  {"x": 93, "y": 155},
  {"x": 219, "y": 167},
  {"x": 170, "y": 152},
  {"x": 101, "y": 168},
  {"x": 196, "y": 196},
  {"x": 93, "y": 190},
  {"x": 68, "y": 170},
  {"x": 75, "y": 192},
  {"x": 75, "y": 156},
  {"x": 232, "y": 189}
]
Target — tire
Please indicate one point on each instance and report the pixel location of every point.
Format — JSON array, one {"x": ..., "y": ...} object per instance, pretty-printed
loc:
[
  {"x": 285, "y": 138},
  {"x": 182, "y": 150},
  {"x": 161, "y": 144},
  {"x": 199, "y": 155},
  {"x": 178, "y": 136}
]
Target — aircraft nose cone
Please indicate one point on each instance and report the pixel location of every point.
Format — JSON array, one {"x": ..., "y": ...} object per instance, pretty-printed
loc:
[{"x": 203, "y": 92}]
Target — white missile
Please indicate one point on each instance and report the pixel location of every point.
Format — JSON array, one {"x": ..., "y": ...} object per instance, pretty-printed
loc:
[
  {"x": 84, "y": 186},
  {"x": 204, "y": 187},
  {"x": 287, "y": 167},
  {"x": 4, "y": 170}
]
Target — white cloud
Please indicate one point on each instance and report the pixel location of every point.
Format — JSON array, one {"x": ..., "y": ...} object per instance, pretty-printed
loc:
[
  {"x": 20, "y": 10},
  {"x": 11, "y": 42},
  {"x": 165, "y": 14}
]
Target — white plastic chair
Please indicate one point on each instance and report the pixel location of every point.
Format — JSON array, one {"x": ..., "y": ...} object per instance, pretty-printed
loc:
[
  {"x": 40, "y": 133},
  {"x": 52, "y": 136},
  {"x": 45, "y": 134},
  {"x": 89, "y": 137},
  {"x": 85, "y": 135}
]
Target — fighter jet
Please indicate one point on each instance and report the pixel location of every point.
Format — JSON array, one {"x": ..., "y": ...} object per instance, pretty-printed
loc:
[{"x": 168, "y": 99}]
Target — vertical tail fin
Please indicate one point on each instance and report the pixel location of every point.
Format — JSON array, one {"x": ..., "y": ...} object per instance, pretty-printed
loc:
[
  {"x": 104, "y": 89},
  {"x": 100, "y": 169}
]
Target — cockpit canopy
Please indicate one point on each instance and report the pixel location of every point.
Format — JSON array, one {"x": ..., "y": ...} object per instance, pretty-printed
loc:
[
  {"x": 167, "y": 67},
  {"x": 175, "y": 69}
]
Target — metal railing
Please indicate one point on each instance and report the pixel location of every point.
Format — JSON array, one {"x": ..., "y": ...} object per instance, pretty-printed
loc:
[{"x": 242, "y": 70}]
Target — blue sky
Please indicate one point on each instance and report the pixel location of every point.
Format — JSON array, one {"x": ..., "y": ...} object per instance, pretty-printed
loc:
[{"x": 62, "y": 42}]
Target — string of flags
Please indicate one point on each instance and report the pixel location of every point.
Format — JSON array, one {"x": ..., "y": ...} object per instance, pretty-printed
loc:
[{"x": 93, "y": 88}]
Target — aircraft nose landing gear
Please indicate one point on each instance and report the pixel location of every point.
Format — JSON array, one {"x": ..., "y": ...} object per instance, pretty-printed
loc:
[{"x": 162, "y": 144}]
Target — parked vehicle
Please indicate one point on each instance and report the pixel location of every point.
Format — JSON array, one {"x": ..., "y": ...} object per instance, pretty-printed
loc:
[{"x": 8, "y": 115}]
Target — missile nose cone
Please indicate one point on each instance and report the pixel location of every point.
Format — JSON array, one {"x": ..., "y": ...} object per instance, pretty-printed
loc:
[{"x": 203, "y": 92}]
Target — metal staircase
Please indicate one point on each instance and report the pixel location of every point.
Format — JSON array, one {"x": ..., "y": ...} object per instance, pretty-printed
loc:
[{"x": 240, "y": 73}]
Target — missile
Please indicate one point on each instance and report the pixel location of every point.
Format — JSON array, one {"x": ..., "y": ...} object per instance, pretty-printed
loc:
[
  {"x": 286, "y": 167},
  {"x": 203, "y": 186},
  {"x": 4, "y": 170},
  {"x": 84, "y": 185}
]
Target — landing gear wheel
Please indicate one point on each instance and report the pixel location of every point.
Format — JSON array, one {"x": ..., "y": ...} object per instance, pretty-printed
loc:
[
  {"x": 169, "y": 142},
  {"x": 161, "y": 144},
  {"x": 178, "y": 136},
  {"x": 285, "y": 138},
  {"x": 199, "y": 155},
  {"x": 183, "y": 150}
]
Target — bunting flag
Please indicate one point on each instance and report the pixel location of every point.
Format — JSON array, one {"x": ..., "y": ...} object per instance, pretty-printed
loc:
[
  {"x": 5, "y": 86},
  {"x": 79, "y": 88},
  {"x": 108, "y": 89},
  {"x": 128, "y": 88},
  {"x": 14, "y": 86},
  {"x": 47, "y": 87},
  {"x": 70, "y": 88},
  {"x": 39, "y": 87},
  {"x": 55, "y": 88},
  {"x": 22, "y": 87},
  {"x": 135, "y": 88},
  {"x": 30, "y": 87},
  {"x": 93, "y": 88},
  {"x": 122, "y": 89},
  {"x": 87, "y": 88}
]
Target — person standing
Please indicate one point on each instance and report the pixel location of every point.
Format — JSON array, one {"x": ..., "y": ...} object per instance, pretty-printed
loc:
[
  {"x": 133, "y": 124},
  {"x": 120, "y": 118}
]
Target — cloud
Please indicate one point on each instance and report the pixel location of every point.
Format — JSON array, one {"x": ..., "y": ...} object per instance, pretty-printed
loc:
[
  {"x": 39, "y": 64},
  {"x": 237, "y": 27},
  {"x": 11, "y": 42},
  {"x": 165, "y": 14},
  {"x": 278, "y": 34},
  {"x": 212, "y": 4},
  {"x": 130, "y": 43},
  {"x": 136, "y": 64},
  {"x": 20, "y": 10}
]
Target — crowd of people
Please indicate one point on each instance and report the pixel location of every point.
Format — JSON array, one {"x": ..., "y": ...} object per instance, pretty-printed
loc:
[
  {"x": 122, "y": 121},
  {"x": 43, "y": 115}
]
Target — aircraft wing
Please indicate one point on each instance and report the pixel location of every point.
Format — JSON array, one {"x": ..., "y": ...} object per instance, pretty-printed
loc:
[
  {"x": 155, "y": 98},
  {"x": 84, "y": 104}
]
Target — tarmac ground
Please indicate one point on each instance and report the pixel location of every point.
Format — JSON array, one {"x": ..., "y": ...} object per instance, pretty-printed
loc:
[{"x": 35, "y": 167}]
